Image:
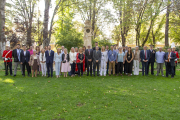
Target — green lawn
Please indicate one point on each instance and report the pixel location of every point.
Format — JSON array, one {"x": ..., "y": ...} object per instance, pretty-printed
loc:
[{"x": 90, "y": 98}]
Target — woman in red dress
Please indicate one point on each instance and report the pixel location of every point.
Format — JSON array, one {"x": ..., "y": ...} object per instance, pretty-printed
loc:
[
  {"x": 84, "y": 62},
  {"x": 80, "y": 60}
]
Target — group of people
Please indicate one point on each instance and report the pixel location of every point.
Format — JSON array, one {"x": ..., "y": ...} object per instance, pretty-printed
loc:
[{"x": 114, "y": 61}]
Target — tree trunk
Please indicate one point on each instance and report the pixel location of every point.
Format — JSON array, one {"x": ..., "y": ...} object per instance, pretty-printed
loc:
[
  {"x": 45, "y": 24},
  {"x": 167, "y": 25},
  {"x": 2, "y": 26}
]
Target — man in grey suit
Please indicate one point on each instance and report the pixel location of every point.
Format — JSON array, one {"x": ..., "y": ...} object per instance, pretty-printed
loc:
[
  {"x": 169, "y": 58},
  {"x": 96, "y": 60}
]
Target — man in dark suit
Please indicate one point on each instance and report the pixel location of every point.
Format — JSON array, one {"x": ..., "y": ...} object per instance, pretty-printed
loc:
[
  {"x": 89, "y": 59},
  {"x": 16, "y": 55},
  {"x": 49, "y": 60},
  {"x": 170, "y": 63},
  {"x": 96, "y": 60},
  {"x": 144, "y": 55},
  {"x": 151, "y": 59},
  {"x": 25, "y": 57},
  {"x": 96, "y": 44}
]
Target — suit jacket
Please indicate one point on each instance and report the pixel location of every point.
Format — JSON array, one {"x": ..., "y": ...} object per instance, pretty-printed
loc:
[
  {"x": 94, "y": 48},
  {"x": 25, "y": 57},
  {"x": 32, "y": 60},
  {"x": 15, "y": 56},
  {"x": 67, "y": 57},
  {"x": 173, "y": 57},
  {"x": 49, "y": 58},
  {"x": 87, "y": 55},
  {"x": 142, "y": 55},
  {"x": 96, "y": 56},
  {"x": 152, "y": 55}
]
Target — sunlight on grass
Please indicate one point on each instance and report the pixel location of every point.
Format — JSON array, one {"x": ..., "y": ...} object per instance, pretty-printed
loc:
[{"x": 8, "y": 81}]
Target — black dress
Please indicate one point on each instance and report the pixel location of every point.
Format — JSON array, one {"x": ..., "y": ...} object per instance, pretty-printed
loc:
[{"x": 129, "y": 65}]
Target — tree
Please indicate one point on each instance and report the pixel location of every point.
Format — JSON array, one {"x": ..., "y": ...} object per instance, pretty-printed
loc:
[
  {"x": 167, "y": 24},
  {"x": 2, "y": 26}
]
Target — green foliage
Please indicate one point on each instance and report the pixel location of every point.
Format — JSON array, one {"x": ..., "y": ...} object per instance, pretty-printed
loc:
[
  {"x": 101, "y": 43},
  {"x": 66, "y": 35}
]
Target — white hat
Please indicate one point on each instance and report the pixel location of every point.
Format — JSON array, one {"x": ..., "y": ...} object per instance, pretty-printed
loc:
[
  {"x": 173, "y": 45},
  {"x": 8, "y": 43}
]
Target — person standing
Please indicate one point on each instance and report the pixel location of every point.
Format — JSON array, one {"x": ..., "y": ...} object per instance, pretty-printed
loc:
[
  {"x": 160, "y": 61},
  {"x": 80, "y": 58},
  {"x": 120, "y": 61},
  {"x": 16, "y": 54},
  {"x": 137, "y": 60},
  {"x": 177, "y": 57},
  {"x": 7, "y": 57},
  {"x": 57, "y": 62},
  {"x": 124, "y": 50},
  {"x": 65, "y": 63},
  {"x": 129, "y": 60},
  {"x": 49, "y": 60},
  {"x": 73, "y": 61},
  {"x": 31, "y": 52},
  {"x": 38, "y": 53},
  {"x": 107, "y": 49},
  {"x": 84, "y": 62},
  {"x": 62, "y": 49},
  {"x": 169, "y": 58},
  {"x": 89, "y": 59},
  {"x": 116, "y": 64},
  {"x": 25, "y": 57},
  {"x": 104, "y": 60},
  {"x": 96, "y": 44},
  {"x": 144, "y": 55},
  {"x": 76, "y": 68},
  {"x": 112, "y": 59},
  {"x": 34, "y": 63},
  {"x": 151, "y": 59},
  {"x": 96, "y": 60},
  {"x": 43, "y": 62}
]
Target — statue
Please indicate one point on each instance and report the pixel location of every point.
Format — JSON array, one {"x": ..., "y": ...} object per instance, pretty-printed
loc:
[{"x": 88, "y": 33}]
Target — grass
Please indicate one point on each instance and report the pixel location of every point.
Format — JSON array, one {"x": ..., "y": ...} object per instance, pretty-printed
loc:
[{"x": 90, "y": 98}]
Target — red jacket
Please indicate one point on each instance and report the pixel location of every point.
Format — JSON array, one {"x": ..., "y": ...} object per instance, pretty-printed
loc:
[
  {"x": 7, "y": 54},
  {"x": 177, "y": 55},
  {"x": 78, "y": 60}
]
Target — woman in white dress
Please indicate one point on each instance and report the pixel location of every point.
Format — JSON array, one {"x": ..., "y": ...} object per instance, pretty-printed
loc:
[
  {"x": 137, "y": 59},
  {"x": 104, "y": 60},
  {"x": 57, "y": 61},
  {"x": 42, "y": 59}
]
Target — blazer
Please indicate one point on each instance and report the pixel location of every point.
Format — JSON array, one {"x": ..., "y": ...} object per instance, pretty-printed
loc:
[
  {"x": 49, "y": 58},
  {"x": 152, "y": 55},
  {"x": 96, "y": 56},
  {"x": 87, "y": 55},
  {"x": 173, "y": 57},
  {"x": 31, "y": 62},
  {"x": 26, "y": 57},
  {"x": 57, "y": 58},
  {"x": 15, "y": 56},
  {"x": 42, "y": 58},
  {"x": 67, "y": 57},
  {"x": 142, "y": 55}
]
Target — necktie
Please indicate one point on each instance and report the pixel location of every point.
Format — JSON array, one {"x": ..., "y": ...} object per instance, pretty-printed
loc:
[
  {"x": 168, "y": 57},
  {"x": 89, "y": 51},
  {"x": 49, "y": 53},
  {"x": 145, "y": 54}
]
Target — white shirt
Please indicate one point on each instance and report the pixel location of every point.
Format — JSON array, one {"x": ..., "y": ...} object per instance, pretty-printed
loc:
[{"x": 72, "y": 57}]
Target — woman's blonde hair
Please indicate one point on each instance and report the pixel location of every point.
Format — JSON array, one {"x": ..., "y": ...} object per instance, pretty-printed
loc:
[{"x": 102, "y": 48}]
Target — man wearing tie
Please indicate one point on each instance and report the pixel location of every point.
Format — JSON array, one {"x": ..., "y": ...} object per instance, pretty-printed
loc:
[
  {"x": 151, "y": 59},
  {"x": 25, "y": 57},
  {"x": 144, "y": 55},
  {"x": 96, "y": 60},
  {"x": 16, "y": 55},
  {"x": 49, "y": 60},
  {"x": 89, "y": 59},
  {"x": 170, "y": 63}
]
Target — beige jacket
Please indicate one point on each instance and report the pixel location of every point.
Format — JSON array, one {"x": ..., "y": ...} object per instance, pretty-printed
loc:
[{"x": 31, "y": 62}]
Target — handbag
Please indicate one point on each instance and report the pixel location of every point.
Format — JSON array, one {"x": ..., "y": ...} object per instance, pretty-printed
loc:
[{"x": 64, "y": 61}]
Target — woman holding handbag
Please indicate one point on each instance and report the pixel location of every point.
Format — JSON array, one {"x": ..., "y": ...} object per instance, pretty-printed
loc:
[{"x": 65, "y": 63}]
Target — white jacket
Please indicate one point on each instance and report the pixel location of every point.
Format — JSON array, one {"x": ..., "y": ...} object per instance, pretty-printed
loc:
[
  {"x": 42, "y": 58},
  {"x": 105, "y": 53},
  {"x": 72, "y": 57}
]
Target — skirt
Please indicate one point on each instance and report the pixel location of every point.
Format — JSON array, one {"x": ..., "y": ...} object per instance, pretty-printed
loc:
[
  {"x": 35, "y": 65},
  {"x": 65, "y": 67}
]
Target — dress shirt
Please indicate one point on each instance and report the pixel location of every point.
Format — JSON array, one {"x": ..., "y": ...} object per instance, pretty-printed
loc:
[
  {"x": 112, "y": 55},
  {"x": 18, "y": 53},
  {"x": 31, "y": 52},
  {"x": 160, "y": 57}
]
